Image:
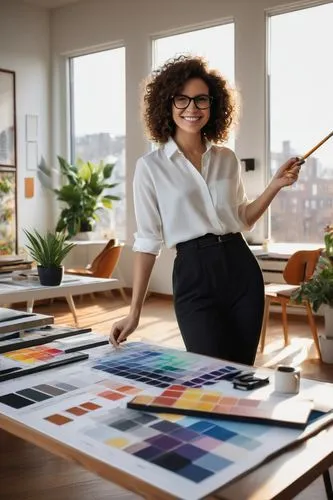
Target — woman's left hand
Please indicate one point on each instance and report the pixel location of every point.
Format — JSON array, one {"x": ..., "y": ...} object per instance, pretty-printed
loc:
[{"x": 287, "y": 173}]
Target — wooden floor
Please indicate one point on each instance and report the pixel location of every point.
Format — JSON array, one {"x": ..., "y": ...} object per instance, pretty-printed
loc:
[{"x": 29, "y": 473}]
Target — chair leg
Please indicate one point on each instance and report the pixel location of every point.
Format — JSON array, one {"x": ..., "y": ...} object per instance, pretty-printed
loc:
[
  {"x": 123, "y": 294},
  {"x": 30, "y": 305},
  {"x": 264, "y": 323},
  {"x": 313, "y": 327},
  {"x": 71, "y": 305},
  {"x": 285, "y": 323}
]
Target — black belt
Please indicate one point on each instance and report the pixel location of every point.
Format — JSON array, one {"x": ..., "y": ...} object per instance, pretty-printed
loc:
[{"x": 208, "y": 240}]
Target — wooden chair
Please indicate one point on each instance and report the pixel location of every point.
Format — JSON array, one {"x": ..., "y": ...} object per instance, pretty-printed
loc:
[
  {"x": 103, "y": 265},
  {"x": 299, "y": 268}
]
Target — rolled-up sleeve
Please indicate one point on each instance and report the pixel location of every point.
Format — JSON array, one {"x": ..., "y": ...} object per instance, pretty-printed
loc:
[{"x": 148, "y": 238}]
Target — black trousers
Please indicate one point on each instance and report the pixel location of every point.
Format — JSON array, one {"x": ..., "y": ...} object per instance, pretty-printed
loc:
[{"x": 219, "y": 297}]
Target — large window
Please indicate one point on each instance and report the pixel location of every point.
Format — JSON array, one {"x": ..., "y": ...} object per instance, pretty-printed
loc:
[
  {"x": 98, "y": 123},
  {"x": 301, "y": 111},
  {"x": 215, "y": 44}
]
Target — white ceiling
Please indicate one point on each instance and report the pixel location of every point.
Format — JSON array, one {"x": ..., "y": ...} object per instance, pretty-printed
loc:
[{"x": 50, "y": 4}]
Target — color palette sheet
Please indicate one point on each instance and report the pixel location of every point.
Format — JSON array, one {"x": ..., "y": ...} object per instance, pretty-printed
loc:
[
  {"x": 22, "y": 362},
  {"x": 185, "y": 456},
  {"x": 86, "y": 409},
  {"x": 161, "y": 368},
  {"x": 37, "y": 336},
  {"x": 97, "y": 396},
  {"x": 208, "y": 404}
]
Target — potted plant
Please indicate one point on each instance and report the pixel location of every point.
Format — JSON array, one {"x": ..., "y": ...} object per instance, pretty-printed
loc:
[
  {"x": 318, "y": 290},
  {"x": 49, "y": 252},
  {"x": 83, "y": 193}
]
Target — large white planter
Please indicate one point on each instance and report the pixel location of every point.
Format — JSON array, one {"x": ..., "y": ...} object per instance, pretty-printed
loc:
[
  {"x": 328, "y": 312},
  {"x": 326, "y": 340}
]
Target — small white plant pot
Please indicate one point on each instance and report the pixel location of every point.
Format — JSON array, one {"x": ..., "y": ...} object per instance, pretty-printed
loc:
[
  {"x": 326, "y": 340},
  {"x": 328, "y": 313},
  {"x": 326, "y": 349}
]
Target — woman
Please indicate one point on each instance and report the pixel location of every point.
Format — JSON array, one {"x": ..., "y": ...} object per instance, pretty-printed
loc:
[{"x": 188, "y": 194}]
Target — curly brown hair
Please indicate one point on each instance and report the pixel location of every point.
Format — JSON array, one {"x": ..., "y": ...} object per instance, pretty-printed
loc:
[{"x": 169, "y": 80}]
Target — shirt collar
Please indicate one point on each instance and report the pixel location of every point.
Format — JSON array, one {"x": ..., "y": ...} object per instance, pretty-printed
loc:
[{"x": 171, "y": 147}]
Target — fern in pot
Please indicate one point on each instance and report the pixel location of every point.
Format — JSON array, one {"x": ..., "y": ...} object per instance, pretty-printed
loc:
[{"x": 49, "y": 252}]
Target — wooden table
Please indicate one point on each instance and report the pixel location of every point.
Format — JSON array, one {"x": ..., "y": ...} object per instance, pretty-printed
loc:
[
  {"x": 12, "y": 292},
  {"x": 280, "y": 478}
]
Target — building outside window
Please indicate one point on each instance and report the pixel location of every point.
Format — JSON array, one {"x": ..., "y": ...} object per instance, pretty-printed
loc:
[
  {"x": 97, "y": 83},
  {"x": 300, "y": 78}
]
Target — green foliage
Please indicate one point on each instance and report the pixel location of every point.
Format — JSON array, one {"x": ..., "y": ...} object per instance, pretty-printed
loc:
[
  {"x": 49, "y": 250},
  {"x": 319, "y": 289},
  {"x": 82, "y": 194}
]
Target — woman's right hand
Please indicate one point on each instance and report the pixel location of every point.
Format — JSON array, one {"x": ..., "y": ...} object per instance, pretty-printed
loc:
[{"x": 122, "y": 329}]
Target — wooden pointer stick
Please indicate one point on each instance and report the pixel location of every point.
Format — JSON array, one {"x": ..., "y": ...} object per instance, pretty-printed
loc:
[{"x": 316, "y": 146}]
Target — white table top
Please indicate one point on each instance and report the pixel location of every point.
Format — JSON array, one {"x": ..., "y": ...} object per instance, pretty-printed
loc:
[{"x": 16, "y": 291}]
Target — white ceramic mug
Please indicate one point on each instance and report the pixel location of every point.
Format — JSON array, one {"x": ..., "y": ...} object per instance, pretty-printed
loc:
[{"x": 287, "y": 379}]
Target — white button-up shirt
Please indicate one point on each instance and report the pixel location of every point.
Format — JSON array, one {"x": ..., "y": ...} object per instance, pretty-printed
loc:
[{"x": 174, "y": 202}]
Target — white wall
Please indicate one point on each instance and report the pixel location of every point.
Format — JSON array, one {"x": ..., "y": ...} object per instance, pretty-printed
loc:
[
  {"x": 25, "y": 49},
  {"x": 133, "y": 22}
]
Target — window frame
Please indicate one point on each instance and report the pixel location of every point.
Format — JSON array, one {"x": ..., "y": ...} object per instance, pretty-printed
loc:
[{"x": 269, "y": 13}]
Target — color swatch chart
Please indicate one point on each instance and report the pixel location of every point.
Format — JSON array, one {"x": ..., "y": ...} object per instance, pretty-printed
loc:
[
  {"x": 101, "y": 392},
  {"x": 163, "y": 367},
  {"x": 101, "y": 395},
  {"x": 188, "y": 456},
  {"x": 86, "y": 409},
  {"x": 213, "y": 404},
  {"x": 32, "y": 355}
]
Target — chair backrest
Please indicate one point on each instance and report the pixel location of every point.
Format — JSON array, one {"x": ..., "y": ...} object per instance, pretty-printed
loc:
[
  {"x": 106, "y": 261},
  {"x": 301, "y": 266},
  {"x": 94, "y": 265}
]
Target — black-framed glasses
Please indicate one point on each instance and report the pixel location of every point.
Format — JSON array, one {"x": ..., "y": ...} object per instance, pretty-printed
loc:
[{"x": 201, "y": 101}]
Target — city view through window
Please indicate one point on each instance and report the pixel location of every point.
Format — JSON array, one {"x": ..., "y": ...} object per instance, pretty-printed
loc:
[
  {"x": 98, "y": 124},
  {"x": 301, "y": 110}
]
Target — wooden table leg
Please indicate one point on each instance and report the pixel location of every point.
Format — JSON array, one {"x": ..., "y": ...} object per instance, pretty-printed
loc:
[{"x": 71, "y": 305}]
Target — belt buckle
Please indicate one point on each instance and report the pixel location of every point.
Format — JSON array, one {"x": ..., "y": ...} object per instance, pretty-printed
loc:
[{"x": 219, "y": 238}]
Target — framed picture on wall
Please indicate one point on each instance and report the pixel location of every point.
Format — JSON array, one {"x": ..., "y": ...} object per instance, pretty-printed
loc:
[
  {"x": 8, "y": 229},
  {"x": 7, "y": 120}
]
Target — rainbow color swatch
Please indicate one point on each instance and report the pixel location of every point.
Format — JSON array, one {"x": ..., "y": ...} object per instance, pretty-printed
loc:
[
  {"x": 32, "y": 355},
  {"x": 162, "y": 367},
  {"x": 15, "y": 364},
  {"x": 201, "y": 403}
]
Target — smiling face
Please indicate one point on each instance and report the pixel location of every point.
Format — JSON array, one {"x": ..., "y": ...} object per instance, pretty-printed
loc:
[{"x": 191, "y": 119}]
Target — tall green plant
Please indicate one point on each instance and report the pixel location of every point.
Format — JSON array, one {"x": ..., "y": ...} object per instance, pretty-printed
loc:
[
  {"x": 49, "y": 250},
  {"x": 83, "y": 193}
]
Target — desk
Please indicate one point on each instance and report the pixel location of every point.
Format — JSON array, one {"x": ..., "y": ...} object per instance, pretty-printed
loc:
[
  {"x": 281, "y": 477},
  {"x": 12, "y": 292}
]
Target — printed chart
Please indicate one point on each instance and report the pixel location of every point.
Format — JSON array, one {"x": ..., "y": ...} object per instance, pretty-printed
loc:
[
  {"x": 85, "y": 406},
  {"x": 162, "y": 367},
  {"x": 14, "y": 364},
  {"x": 213, "y": 404}
]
